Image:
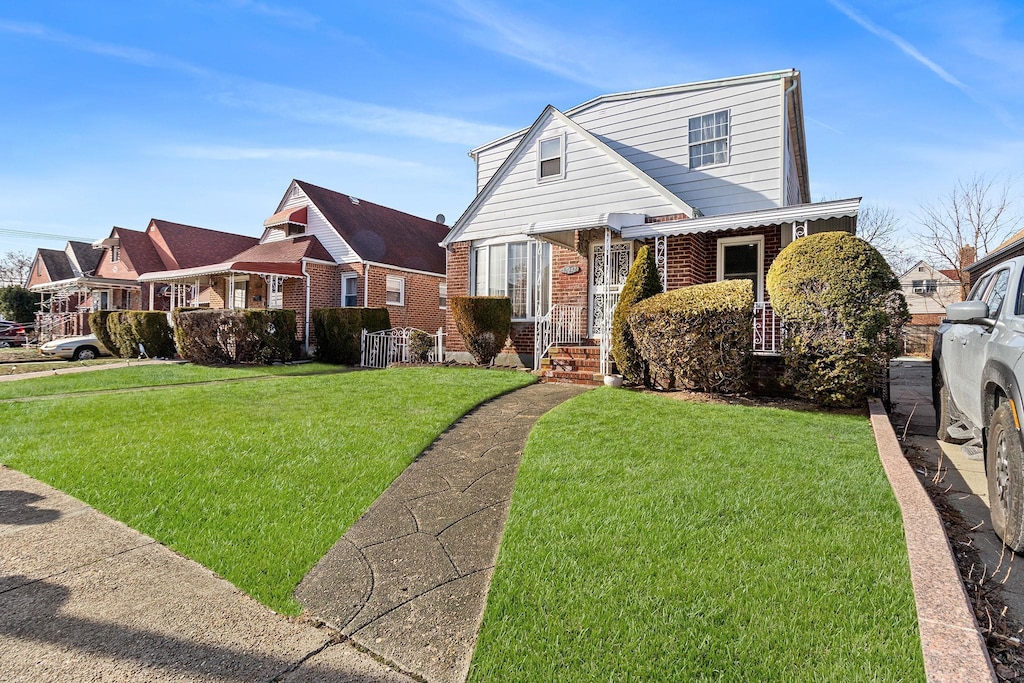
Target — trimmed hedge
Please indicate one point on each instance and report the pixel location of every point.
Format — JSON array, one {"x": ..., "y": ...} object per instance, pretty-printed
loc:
[
  {"x": 420, "y": 346},
  {"x": 843, "y": 311},
  {"x": 127, "y": 330},
  {"x": 338, "y": 331},
  {"x": 701, "y": 336},
  {"x": 641, "y": 283},
  {"x": 247, "y": 336},
  {"x": 98, "y": 325},
  {"x": 484, "y": 323}
]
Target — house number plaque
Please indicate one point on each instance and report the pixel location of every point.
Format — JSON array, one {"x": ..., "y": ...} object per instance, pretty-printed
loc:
[{"x": 570, "y": 270}]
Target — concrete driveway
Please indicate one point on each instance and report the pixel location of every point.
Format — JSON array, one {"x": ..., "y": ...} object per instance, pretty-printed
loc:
[{"x": 86, "y": 598}]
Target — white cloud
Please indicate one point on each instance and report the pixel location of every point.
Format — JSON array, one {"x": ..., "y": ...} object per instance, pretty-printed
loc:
[
  {"x": 239, "y": 153},
  {"x": 603, "y": 61},
  {"x": 290, "y": 103},
  {"x": 911, "y": 51}
]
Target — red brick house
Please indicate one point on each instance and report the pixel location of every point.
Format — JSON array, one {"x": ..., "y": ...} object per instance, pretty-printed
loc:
[
  {"x": 712, "y": 175},
  {"x": 57, "y": 276},
  {"x": 324, "y": 249}
]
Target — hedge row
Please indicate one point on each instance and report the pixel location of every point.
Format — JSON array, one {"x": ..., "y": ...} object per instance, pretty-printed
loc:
[
  {"x": 338, "y": 331},
  {"x": 130, "y": 334},
  {"x": 700, "y": 337},
  {"x": 217, "y": 337}
]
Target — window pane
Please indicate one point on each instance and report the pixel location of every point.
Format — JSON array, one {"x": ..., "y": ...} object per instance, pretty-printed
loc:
[
  {"x": 351, "y": 290},
  {"x": 551, "y": 167},
  {"x": 480, "y": 268},
  {"x": 551, "y": 148},
  {"x": 740, "y": 262},
  {"x": 518, "y": 280},
  {"x": 496, "y": 272},
  {"x": 542, "y": 271},
  {"x": 998, "y": 293}
]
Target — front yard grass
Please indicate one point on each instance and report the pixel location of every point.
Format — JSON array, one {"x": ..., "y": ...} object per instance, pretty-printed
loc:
[
  {"x": 256, "y": 480},
  {"x": 654, "y": 539}
]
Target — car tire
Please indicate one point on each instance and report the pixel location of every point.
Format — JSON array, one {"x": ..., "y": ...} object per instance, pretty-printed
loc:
[
  {"x": 85, "y": 353},
  {"x": 946, "y": 415},
  {"x": 1004, "y": 465},
  {"x": 5, "y": 344}
]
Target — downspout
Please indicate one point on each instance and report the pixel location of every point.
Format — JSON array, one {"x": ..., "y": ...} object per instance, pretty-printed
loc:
[
  {"x": 366, "y": 285},
  {"x": 305, "y": 334}
]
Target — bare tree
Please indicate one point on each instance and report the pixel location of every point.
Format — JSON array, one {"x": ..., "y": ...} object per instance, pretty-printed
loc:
[
  {"x": 15, "y": 267},
  {"x": 973, "y": 218},
  {"x": 880, "y": 227}
]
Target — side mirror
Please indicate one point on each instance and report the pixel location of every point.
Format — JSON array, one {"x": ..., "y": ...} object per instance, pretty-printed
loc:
[{"x": 971, "y": 312}]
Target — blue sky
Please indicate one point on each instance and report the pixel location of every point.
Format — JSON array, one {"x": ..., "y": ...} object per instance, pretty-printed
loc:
[{"x": 201, "y": 112}]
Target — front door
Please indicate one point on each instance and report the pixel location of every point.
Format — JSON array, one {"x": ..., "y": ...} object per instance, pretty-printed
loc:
[{"x": 619, "y": 262}]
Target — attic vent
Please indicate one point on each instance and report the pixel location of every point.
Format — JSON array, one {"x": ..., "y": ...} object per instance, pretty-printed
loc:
[
  {"x": 353, "y": 200},
  {"x": 296, "y": 192}
]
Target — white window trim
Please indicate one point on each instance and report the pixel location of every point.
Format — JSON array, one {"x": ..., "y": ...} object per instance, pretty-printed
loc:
[
  {"x": 344, "y": 288},
  {"x": 723, "y": 242},
  {"x": 442, "y": 287},
  {"x": 504, "y": 242},
  {"x": 561, "y": 137},
  {"x": 115, "y": 254},
  {"x": 388, "y": 281},
  {"x": 727, "y": 138}
]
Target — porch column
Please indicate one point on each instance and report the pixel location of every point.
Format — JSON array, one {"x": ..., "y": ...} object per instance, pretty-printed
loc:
[
  {"x": 606, "y": 341},
  {"x": 195, "y": 299},
  {"x": 152, "y": 287},
  {"x": 230, "y": 303},
  {"x": 661, "y": 259}
]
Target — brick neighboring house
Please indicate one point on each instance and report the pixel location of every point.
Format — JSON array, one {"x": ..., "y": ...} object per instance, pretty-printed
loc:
[
  {"x": 56, "y": 274},
  {"x": 711, "y": 175},
  {"x": 119, "y": 260},
  {"x": 325, "y": 249}
]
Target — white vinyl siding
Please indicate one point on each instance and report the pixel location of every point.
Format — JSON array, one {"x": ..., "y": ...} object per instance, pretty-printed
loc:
[
  {"x": 652, "y": 133},
  {"x": 594, "y": 183},
  {"x": 792, "y": 188},
  {"x": 317, "y": 226}
]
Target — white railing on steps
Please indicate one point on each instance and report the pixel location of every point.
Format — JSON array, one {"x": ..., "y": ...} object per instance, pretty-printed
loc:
[{"x": 563, "y": 324}]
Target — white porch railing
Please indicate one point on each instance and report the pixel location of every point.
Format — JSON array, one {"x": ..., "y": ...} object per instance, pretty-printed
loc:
[
  {"x": 768, "y": 331},
  {"x": 562, "y": 325},
  {"x": 381, "y": 349},
  {"x": 55, "y": 325}
]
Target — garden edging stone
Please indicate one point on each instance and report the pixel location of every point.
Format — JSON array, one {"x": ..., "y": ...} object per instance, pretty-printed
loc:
[{"x": 954, "y": 649}]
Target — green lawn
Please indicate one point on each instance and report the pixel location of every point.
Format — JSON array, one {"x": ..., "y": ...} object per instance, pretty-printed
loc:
[
  {"x": 255, "y": 480},
  {"x": 151, "y": 376},
  {"x": 659, "y": 540}
]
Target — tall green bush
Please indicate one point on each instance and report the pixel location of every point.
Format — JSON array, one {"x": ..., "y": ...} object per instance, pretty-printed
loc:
[
  {"x": 843, "y": 310},
  {"x": 128, "y": 330},
  {"x": 98, "y": 325},
  {"x": 641, "y": 283},
  {"x": 216, "y": 336},
  {"x": 18, "y": 304},
  {"x": 338, "y": 331},
  {"x": 700, "y": 336},
  {"x": 483, "y": 322}
]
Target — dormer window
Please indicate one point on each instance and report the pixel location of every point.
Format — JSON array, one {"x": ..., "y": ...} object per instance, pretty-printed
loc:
[
  {"x": 296, "y": 229},
  {"x": 709, "y": 139},
  {"x": 550, "y": 158},
  {"x": 115, "y": 254}
]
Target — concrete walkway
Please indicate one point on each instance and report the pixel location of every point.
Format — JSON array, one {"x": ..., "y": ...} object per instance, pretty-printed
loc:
[
  {"x": 409, "y": 580},
  {"x": 75, "y": 369},
  {"x": 85, "y": 598}
]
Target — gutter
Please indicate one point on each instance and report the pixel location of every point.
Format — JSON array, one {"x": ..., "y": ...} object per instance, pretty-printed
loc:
[{"x": 305, "y": 334}]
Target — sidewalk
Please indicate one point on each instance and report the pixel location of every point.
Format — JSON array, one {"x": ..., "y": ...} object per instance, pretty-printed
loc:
[
  {"x": 83, "y": 597},
  {"x": 409, "y": 580},
  {"x": 86, "y": 368}
]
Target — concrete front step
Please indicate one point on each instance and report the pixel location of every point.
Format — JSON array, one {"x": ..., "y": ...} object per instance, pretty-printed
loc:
[
  {"x": 582, "y": 377},
  {"x": 571, "y": 364}
]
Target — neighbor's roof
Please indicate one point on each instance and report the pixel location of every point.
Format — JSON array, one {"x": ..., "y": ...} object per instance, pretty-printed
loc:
[
  {"x": 57, "y": 265},
  {"x": 191, "y": 246},
  {"x": 87, "y": 257},
  {"x": 283, "y": 257},
  {"x": 380, "y": 234},
  {"x": 139, "y": 250},
  {"x": 1006, "y": 249}
]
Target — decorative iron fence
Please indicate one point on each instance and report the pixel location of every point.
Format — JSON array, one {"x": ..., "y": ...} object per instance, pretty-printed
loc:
[
  {"x": 768, "y": 331},
  {"x": 381, "y": 349},
  {"x": 562, "y": 325}
]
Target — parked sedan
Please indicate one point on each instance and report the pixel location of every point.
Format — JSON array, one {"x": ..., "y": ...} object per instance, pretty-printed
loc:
[
  {"x": 13, "y": 334},
  {"x": 75, "y": 348}
]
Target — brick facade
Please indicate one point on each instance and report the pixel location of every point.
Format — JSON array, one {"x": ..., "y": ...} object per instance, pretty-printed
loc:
[{"x": 692, "y": 260}]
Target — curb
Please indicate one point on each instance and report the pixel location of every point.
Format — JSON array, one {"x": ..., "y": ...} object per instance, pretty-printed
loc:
[
  {"x": 87, "y": 368},
  {"x": 954, "y": 649}
]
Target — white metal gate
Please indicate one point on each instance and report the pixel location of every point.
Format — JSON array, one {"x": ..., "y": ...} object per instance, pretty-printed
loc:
[
  {"x": 604, "y": 299},
  {"x": 381, "y": 349}
]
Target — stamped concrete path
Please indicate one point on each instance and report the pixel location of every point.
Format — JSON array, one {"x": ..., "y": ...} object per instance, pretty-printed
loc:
[{"x": 409, "y": 580}]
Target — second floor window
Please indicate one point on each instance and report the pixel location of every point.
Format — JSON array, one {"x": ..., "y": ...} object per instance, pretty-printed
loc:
[
  {"x": 709, "y": 139},
  {"x": 549, "y": 155},
  {"x": 115, "y": 254},
  {"x": 924, "y": 286}
]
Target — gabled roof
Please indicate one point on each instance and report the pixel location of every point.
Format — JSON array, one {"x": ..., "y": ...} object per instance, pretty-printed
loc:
[
  {"x": 527, "y": 140},
  {"x": 379, "y": 234},
  {"x": 190, "y": 246},
  {"x": 56, "y": 262},
  {"x": 139, "y": 250},
  {"x": 286, "y": 251},
  {"x": 282, "y": 257},
  {"x": 651, "y": 92},
  {"x": 85, "y": 258}
]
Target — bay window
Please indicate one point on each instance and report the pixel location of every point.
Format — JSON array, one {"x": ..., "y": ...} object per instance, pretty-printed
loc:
[{"x": 519, "y": 270}]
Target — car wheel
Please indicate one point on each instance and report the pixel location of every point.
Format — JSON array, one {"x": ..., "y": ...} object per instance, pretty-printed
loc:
[
  {"x": 946, "y": 416},
  {"x": 5, "y": 344},
  {"x": 85, "y": 353},
  {"x": 1004, "y": 465}
]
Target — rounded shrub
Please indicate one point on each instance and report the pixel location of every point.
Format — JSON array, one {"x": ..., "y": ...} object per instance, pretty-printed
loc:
[
  {"x": 130, "y": 330},
  {"x": 98, "y": 326},
  {"x": 484, "y": 323},
  {"x": 641, "y": 283},
  {"x": 216, "y": 336},
  {"x": 420, "y": 346},
  {"x": 701, "y": 336},
  {"x": 842, "y": 309}
]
